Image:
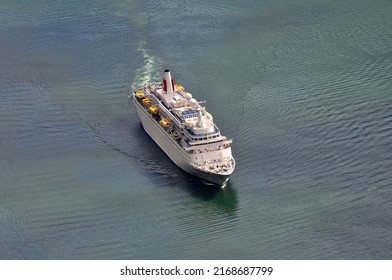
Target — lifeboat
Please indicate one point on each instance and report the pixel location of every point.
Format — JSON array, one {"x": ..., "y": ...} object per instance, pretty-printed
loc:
[
  {"x": 179, "y": 87},
  {"x": 146, "y": 101},
  {"x": 153, "y": 110},
  {"x": 139, "y": 94},
  {"x": 164, "y": 122}
]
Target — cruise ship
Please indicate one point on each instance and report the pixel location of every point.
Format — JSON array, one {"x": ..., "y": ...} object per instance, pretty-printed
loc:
[{"x": 184, "y": 130}]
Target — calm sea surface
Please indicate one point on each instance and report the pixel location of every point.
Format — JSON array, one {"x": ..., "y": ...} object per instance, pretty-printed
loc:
[{"x": 303, "y": 87}]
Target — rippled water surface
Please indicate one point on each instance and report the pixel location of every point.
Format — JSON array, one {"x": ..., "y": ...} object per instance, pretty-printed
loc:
[{"x": 303, "y": 87}]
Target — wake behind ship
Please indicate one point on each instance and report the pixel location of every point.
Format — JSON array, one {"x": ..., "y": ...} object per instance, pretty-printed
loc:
[{"x": 184, "y": 130}]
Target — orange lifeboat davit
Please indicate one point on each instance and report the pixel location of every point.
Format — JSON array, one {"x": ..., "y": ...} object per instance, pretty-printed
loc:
[
  {"x": 164, "y": 122},
  {"x": 146, "y": 101},
  {"x": 153, "y": 110},
  {"x": 139, "y": 94},
  {"x": 179, "y": 87}
]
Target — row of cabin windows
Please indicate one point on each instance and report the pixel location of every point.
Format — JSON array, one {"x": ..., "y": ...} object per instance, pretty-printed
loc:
[{"x": 205, "y": 138}]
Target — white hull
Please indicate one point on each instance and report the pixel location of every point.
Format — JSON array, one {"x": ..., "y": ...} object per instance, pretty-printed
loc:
[{"x": 173, "y": 150}]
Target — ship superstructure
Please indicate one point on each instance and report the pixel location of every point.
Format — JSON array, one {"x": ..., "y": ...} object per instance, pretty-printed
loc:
[{"x": 184, "y": 130}]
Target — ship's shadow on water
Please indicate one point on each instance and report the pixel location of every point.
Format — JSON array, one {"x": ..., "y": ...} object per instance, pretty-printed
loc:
[{"x": 225, "y": 198}]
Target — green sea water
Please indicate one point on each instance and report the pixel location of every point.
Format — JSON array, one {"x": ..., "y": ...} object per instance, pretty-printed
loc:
[{"x": 303, "y": 87}]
